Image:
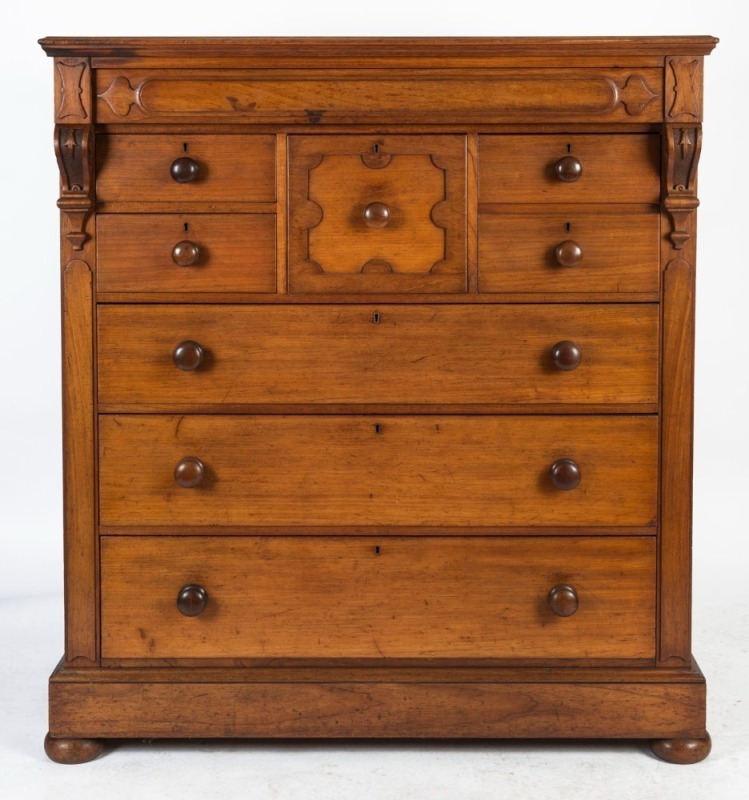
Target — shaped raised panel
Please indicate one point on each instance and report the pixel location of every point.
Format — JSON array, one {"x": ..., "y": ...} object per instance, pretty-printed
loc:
[{"x": 377, "y": 214}]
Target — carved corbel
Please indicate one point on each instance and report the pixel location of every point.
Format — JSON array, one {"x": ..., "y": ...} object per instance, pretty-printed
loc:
[
  {"x": 74, "y": 151},
  {"x": 682, "y": 153}
]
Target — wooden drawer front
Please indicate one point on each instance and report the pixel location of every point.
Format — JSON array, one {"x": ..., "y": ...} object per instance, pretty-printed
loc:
[
  {"x": 403, "y": 597},
  {"x": 616, "y": 168},
  {"x": 186, "y": 252},
  {"x": 573, "y": 251},
  {"x": 385, "y": 354},
  {"x": 229, "y": 167},
  {"x": 364, "y": 470},
  {"x": 377, "y": 214}
]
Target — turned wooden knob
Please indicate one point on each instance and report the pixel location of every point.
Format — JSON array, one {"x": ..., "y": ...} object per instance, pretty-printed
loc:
[
  {"x": 191, "y": 600},
  {"x": 189, "y": 472},
  {"x": 185, "y": 170},
  {"x": 565, "y": 474},
  {"x": 566, "y": 355},
  {"x": 188, "y": 355},
  {"x": 185, "y": 253},
  {"x": 568, "y": 169},
  {"x": 568, "y": 254},
  {"x": 563, "y": 600},
  {"x": 377, "y": 215}
]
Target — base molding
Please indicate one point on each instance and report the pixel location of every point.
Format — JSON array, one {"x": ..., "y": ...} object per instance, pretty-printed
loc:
[{"x": 330, "y": 703}]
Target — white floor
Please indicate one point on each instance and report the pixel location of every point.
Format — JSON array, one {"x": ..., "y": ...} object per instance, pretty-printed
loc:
[{"x": 30, "y": 633}]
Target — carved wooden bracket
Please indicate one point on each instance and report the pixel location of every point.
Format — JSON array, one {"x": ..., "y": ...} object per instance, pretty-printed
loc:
[
  {"x": 682, "y": 154},
  {"x": 74, "y": 151}
]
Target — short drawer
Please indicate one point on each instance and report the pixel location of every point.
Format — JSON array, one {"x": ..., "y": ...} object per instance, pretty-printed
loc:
[
  {"x": 185, "y": 168},
  {"x": 577, "y": 250},
  {"x": 186, "y": 252},
  {"x": 412, "y": 470},
  {"x": 558, "y": 168},
  {"x": 377, "y": 214},
  {"x": 362, "y": 597},
  {"x": 182, "y": 356}
]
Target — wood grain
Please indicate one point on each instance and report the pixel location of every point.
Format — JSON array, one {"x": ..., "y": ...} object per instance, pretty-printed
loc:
[
  {"x": 414, "y": 354},
  {"x": 232, "y": 167},
  {"x": 339, "y": 470},
  {"x": 237, "y": 252},
  {"x": 331, "y": 597},
  {"x": 616, "y": 169},
  {"x": 620, "y": 249}
]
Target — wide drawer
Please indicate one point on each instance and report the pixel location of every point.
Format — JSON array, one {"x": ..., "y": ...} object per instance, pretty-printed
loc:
[
  {"x": 385, "y": 354},
  {"x": 185, "y": 168},
  {"x": 331, "y": 470},
  {"x": 578, "y": 250},
  {"x": 186, "y": 252},
  {"x": 362, "y": 597},
  {"x": 560, "y": 168}
]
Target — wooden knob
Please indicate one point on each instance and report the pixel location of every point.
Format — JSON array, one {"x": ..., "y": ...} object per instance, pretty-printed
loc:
[
  {"x": 568, "y": 169},
  {"x": 563, "y": 600},
  {"x": 189, "y": 472},
  {"x": 185, "y": 253},
  {"x": 185, "y": 170},
  {"x": 377, "y": 215},
  {"x": 188, "y": 355},
  {"x": 568, "y": 254},
  {"x": 565, "y": 474},
  {"x": 566, "y": 355},
  {"x": 191, "y": 600}
]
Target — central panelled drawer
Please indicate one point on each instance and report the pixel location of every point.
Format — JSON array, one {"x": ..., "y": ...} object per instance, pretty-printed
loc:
[
  {"x": 287, "y": 471},
  {"x": 181, "y": 356},
  {"x": 361, "y": 597}
]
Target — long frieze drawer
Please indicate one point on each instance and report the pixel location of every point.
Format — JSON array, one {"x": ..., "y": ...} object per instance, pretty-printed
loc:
[
  {"x": 178, "y": 356},
  {"x": 331, "y": 470},
  {"x": 185, "y": 168},
  {"x": 320, "y": 96},
  {"x": 361, "y": 597},
  {"x": 186, "y": 252},
  {"x": 609, "y": 249},
  {"x": 559, "y": 168}
]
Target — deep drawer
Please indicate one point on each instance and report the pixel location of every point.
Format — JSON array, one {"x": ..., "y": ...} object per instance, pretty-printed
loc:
[
  {"x": 391, "y": 354},
  {"x": 186, "y": 252},
  {"x": 361, "y": 597},
  {"x": 577, "y": 250},
  {"x": 185, "y": 168},
  {"x": 613, "y": 168},
  {"x": 330, "y": 470}
]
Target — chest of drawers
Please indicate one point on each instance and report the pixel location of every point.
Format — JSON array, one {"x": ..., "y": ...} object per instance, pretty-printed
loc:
[{"x": 377, "y": 389}]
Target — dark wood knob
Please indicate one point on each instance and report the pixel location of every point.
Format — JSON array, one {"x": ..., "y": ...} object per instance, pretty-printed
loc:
[
  {"x": 189, "y": 472},
  {"x": 185, "y": 253},
  {"x": 566, "y": 355},
  {"x": 568, "y": 169},
  {"x": 563, "y": 600},
  {"x": 191, "y": 600},
  {"x": 377, "y": 215},
  {"x": 188, "y": 355},
  {"x": 185, "y": 170},
  {"x": 568, "y": 254},
  {"x": 565, "y": 474}
]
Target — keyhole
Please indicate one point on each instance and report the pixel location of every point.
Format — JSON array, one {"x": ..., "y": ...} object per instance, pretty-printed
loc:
[
  {"x": 376, "y": 318},
  {"x": 376, "y": 148},
  {"x": 569, "y": 148},
  {"x": 184, "y": 147},
  {"x": 377, "y": 427},
  {"x": 568, "y": 226},
  {"x": 186, "y": 227},
  {"x": 377, "y": 549}
]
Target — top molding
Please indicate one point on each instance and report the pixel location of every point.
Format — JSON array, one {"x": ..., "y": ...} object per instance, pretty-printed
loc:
[{"x": 468, "y": 49}]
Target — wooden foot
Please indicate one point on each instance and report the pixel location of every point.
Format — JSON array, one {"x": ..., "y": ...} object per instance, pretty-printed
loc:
[
  {"x": 682, "y": 751},
  {"x": 72, "y": 751}
]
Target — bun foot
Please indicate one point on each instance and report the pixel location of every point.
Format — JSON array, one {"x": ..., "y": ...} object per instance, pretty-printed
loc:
[
  {"x": 72, "y": 751},
  {"x": 682, "y": 751}
]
